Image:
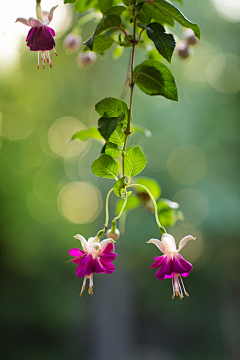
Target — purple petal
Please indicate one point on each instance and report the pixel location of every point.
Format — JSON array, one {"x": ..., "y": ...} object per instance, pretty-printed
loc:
[
  {"x": 109, "y": 256},
  {"x": 86, "y": 259},
  {"x": 86, "y": 269},
  {"x": 102, "y": 266},
  {"x": 185, "y": 264},
  {"x": 166, "y": 269},
  {"x": 76, "y": 252},
  {"x": 35, "y": 23},
  {"x": 159, "y": 260},
  {"x": 40, "y": 38},
  {"x": 51, "y": 31}
]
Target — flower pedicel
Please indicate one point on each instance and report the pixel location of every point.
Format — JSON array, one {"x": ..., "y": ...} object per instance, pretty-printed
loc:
[{"x": 41, "y": 37}]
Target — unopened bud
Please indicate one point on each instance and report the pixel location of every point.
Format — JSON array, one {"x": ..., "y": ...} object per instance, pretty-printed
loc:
[
  {"x": 72, "y": 42},
  {"x": 113, "y": 234},
  {"x": 183, "y": 50},
  {"x": 190, "y": 37},
  {"x": 86, "y": 59}
]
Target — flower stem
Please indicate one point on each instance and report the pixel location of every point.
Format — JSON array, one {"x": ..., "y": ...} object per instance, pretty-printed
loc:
[
  {"x": 107, "y": 211},
  {"x": 120, "y": 214},
  {"x": 162, "y": 229},
  {"x": 131, "y": 85}
]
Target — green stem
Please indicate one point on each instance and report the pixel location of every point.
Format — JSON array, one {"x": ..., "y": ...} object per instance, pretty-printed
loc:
[
  {"x": 162, "y": 229},
  {"x": 120, "y": 214},
  {"x": 107, "y": 212},
  {"x": 131, "y": 85}
]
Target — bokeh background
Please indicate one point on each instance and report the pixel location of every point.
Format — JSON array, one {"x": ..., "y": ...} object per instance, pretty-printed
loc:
[{"x": 48, "y": 194}]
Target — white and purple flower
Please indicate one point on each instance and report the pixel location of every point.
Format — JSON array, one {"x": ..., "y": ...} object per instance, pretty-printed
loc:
[
  {"x": 172, "y": 264},
  {"x": 96, "y": 257},
  {"x": 41, "y": 37}
]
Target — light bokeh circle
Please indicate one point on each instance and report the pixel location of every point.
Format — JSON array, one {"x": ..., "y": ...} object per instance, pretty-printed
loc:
[
  {"x": 79, "y": 202},
  {"x": 187, "y": 164}
]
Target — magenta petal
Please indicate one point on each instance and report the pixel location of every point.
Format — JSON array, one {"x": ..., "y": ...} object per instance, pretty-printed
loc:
[
  {"x": 84, "y": 269},
  {"x": 185, "y": 264},
  {"x": 76, "y": 252},
  {"x": 86, "y": 259},
  {"x": 102, "y": 266},
  {"x": 159, "y": 260},
  {"x": 40, "y": 38},
  {"x": 77, "y": 260},
  {"x": 108, "y": 248},
  {"x": 110, "y": 256},
  {"x": 51, "y": 31},
  {"x": 166, "y": 269}
]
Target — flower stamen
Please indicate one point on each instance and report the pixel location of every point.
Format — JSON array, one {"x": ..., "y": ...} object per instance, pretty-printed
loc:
[
  {"x": 184, "y": 287},
  {"x": 55, "y": 52},
  {"x": 83, "y": 286},
  {"x": 38, "y": 61}
]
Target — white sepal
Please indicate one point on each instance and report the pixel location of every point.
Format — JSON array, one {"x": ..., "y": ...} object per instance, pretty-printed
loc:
[{"x": 184, "y": 241}]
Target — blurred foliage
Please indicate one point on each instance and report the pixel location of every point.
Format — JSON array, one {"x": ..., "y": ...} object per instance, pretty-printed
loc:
[{"x": 42, "y": 315}]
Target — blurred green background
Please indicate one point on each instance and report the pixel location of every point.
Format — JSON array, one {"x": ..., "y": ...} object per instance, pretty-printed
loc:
[{"x": 48, "y": 194}]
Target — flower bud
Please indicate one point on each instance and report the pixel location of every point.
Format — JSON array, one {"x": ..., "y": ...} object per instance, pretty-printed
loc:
[
  {"x": 183, "y": 50},
  {"x": 86, "y": 59},
  {"x": 190, "y": 37},
  {"x": 113, "y": 234},
  {"x": 72, "y": 42}
]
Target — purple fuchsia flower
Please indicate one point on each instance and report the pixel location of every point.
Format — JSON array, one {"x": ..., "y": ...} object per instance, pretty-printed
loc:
[
  {"x": 41, "y": 37},
  {"x": 96, "y": 257},
  {"x": 172, "y": 264}
]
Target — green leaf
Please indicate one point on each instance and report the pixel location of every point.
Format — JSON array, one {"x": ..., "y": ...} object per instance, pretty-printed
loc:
[
  {"x": 164, "y": 42},
  {"x": 112, "y": 150},
  {"x": 140, "y": 6},
  {"x": 158, "y": 15},
  {"x": 109, "y": 21},
  {"x": 154, "y": 78},
  {"x": 115, "y": 10},
  {"x": 86, "y": 134},
  {"x": 104, "y": 5},
  {"x": 83, "y": 5},
  {"x": 145, "y": 15},
  {"x": 166, "y": 218},
  {"x": 106, "y": 126},
  {"x": 135, "y": 161},
  {"x": 105, "y": 166},
  {"x": 111, "y": 107},
  {"x": 128, "y": 2},
  {"x": 132, "y": 203},
  {"x": 166, "y": 204},
  {"x": 118, "y": 136},
  {"x": 119, "y": 186},
  {"x": 69, "y": 1},
  {"x": 176, "y": 14},
  {"x": 102, "y": 43},
  {"x": 150, "y": 184},
  {"x": 141, "y": 129}
]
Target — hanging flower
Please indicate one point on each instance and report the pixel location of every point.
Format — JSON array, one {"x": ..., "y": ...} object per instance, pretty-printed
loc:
[
  {"x": 96, "y": 257},
  {"x": 172, "y": 264},
  {"x": 41, "y": 37}
]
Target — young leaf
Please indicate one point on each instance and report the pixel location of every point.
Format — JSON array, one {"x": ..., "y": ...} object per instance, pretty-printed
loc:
[
  {"x": 141, "y": 129},
  {"x": 158, "y": 15},
  {"x": 151, "y": 184},
  {"x": 105, "y": 166},
  {"x": 119, "y": 186},
  {"x": 135, "y": 161},
  {"x": 154, "y": 78},
  {"x": 106, "y": 126},
  {"x": 132, "y": 203},
  {"x": 109, "y": 21},
  {"x": 86, "y": 134},
  {"x": 176, "y": 14},
  {"x": 111, "y": 107},
  {"x": 167, "y": 204},
  {"x": 164, "y": 42},
  {"x": 115, "y": 10},
  {"x": 104, "y": 5},
  {"x": 102, "y": 43},
  {"x": 112, "y": 150},
  {"x": 166, "y": 218},
  {"x": 145, "y": 15},
  {"x": 118, "y": 136}
]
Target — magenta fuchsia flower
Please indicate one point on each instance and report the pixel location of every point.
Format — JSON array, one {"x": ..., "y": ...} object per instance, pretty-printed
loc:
[
  {"x": 41, "y": 37},
  {"x": 96, "y": 257},
  {"x": 172, "y": 264}
]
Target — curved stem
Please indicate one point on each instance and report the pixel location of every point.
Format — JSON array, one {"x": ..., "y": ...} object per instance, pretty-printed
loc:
[
  {"x": 125, "y": 33},
  {"x": 125, "y": 86},
  {"x": 107, "y": 212},
  {"x": 162, "y": 229},
  {"x": 120, "y": 214}
]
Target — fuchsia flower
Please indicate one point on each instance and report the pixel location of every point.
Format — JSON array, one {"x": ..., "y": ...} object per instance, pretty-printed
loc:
[
  {"x": 172, "y": 264},
  {"x": 41, "y": 37},
  {"x": 96, "y": 257}
]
